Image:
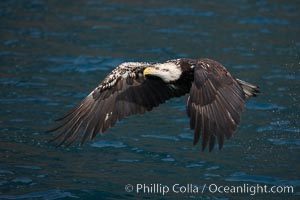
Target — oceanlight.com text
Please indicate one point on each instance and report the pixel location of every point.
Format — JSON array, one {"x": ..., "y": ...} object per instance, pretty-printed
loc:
[{"x": 251, "y": 189}]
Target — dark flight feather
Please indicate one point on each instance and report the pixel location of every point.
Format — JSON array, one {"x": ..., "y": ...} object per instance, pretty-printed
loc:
[{"x": 215, "y": 103}]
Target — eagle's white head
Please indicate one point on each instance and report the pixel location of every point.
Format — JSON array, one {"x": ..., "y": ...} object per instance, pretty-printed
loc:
[{"x": 168, "y": 71}]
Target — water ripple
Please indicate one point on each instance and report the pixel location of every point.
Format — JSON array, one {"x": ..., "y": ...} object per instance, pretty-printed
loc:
[
  {"x": 212, "y": 168},
  {"x": 128, "y": 160},
  {"x": 263, "y": 106},
  {"x": 168, "y": 159},
  {"x": 245, "y": 67},
  {"x": 104, "y": 144},
  {"x": 282, "y": 125},
  {"x": 188, "y": 136},
  {"x": 47, "y": 195},
  {"x": 82, "y": 63},
  {"x": 243, "y": 177},
  {"x": 285, "y": 141},
  {"x": 282, "y": 76},
  {"x": 23, "y": 180},
  {"x": 176, "y": 12},
  {"x": 263, "y": 20},
  {"x": 28, "y": 167},
  {"x": 17, "y": 83},
  {"x": 195, "y": 164},
  {"x": 161, "y": 137},
  {"x": 5, "y": 172},
  {"x": 3, "y": 183},
  {"x": 273, "y": 128},
  {"x": 11, "y": 42}
]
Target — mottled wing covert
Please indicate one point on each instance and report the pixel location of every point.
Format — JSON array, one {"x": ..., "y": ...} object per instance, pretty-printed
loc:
[{"x": 131, "y": 94}]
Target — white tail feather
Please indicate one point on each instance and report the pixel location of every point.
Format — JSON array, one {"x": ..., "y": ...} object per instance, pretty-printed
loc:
[{"x": 248, "y": 88}]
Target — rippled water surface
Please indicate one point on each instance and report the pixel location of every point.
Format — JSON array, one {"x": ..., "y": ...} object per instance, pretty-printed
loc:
[{"x": 53, "y": 53}]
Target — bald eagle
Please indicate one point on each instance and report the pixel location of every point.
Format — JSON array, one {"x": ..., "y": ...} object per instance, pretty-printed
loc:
[{"x": 214, "y": 104}]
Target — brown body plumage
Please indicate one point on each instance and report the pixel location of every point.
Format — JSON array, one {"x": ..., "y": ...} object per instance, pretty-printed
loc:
[{"x": 214, "y": 105}]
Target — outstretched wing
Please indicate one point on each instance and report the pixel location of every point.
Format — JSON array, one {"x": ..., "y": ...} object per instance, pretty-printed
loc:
[
  {"x": 215, "y": 103},
  {"x": 110, "y": 102}
]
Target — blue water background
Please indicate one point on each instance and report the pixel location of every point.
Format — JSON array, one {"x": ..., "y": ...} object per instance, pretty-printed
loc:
[{"x": 53, "y": 53}]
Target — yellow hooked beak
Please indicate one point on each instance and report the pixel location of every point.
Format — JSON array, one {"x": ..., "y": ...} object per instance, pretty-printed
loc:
[{"x": 149, "y": 71}]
